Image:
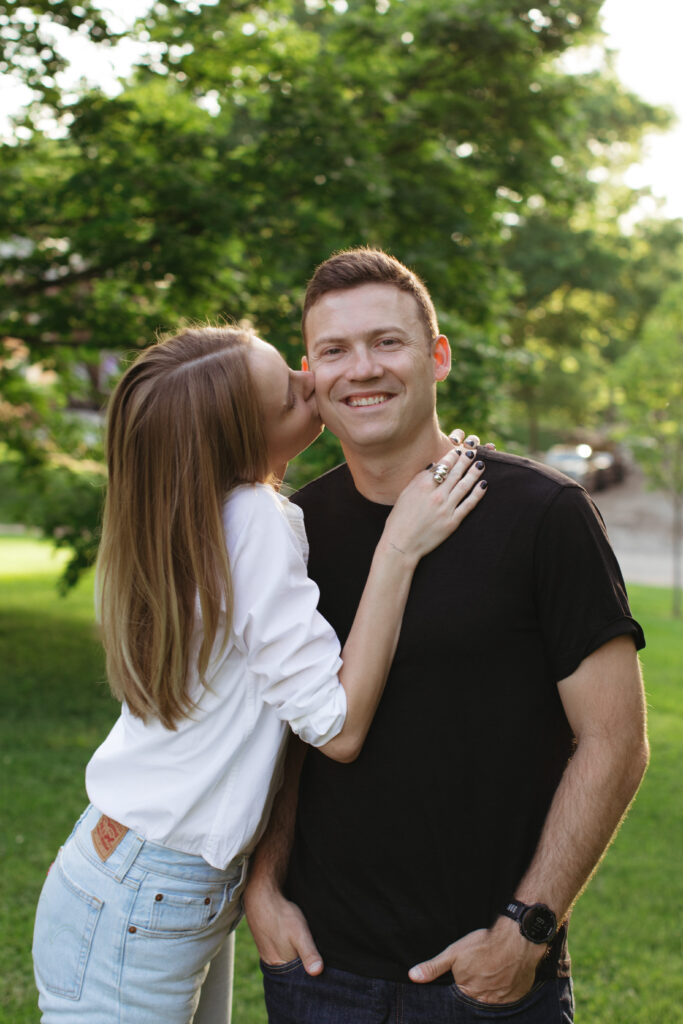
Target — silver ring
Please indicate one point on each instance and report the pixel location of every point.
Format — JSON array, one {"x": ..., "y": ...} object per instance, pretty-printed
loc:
[{"x": 440, "y": 473}]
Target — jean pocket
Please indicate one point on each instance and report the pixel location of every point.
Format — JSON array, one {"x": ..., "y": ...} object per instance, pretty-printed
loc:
[
  {"x": 285, "y": 968},
  {"x": 531, "y": 1007},
  {"x": 167, "y": 910},
  {"x": 66, "y": 919}
]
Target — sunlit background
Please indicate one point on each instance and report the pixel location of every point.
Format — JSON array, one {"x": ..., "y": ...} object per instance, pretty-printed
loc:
[{"x": 645, "y": 40}]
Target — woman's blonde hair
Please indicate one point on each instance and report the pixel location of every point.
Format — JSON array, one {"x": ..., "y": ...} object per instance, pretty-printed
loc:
[{"x": 184, "y": 427}]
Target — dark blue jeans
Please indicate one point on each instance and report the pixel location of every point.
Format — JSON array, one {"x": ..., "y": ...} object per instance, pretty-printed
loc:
[{"x": 338, "y": 997}]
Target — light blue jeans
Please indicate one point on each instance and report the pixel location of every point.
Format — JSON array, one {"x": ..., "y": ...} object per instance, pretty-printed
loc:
[{"x": 129, "y": 940}]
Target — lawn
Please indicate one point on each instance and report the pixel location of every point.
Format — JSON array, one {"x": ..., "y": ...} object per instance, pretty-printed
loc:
[{"x": 626, "y": 931}]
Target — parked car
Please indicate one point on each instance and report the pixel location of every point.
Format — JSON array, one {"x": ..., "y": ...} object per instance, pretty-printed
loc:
[
  {"x": 594, "y": 470},
  {"x": 613, "y": 463},
  {"x": 574, "y": 461},
  {"x": 607, "y": 469}
]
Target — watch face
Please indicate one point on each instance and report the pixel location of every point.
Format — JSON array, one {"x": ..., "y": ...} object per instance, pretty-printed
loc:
[{"x": 538, "y": 924}]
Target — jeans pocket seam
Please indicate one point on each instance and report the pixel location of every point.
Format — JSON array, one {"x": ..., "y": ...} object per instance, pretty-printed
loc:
[
  {"x": 495, "y": 1007},
  {"x": 290, "y": 965},
  {"x": 154, "y": 918}
]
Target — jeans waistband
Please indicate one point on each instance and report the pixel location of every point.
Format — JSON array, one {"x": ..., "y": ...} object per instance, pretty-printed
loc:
[{"x": 135, "y": 850}]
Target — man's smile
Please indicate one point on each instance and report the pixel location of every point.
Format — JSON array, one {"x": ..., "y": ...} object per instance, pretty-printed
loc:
[{"x": 379, "y": 398}]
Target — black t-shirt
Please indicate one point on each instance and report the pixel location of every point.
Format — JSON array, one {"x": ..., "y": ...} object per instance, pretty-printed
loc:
[{"x": 425, "y": 836}]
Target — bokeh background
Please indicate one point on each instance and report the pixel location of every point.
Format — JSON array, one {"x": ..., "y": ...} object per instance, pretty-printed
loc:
[{"x": 196, "y": 160}]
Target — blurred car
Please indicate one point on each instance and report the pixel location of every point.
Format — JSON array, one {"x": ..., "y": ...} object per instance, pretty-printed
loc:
[
  {"x": 594, "y": 470},
  {"x": 613, "y": 462},
  {"x": 575, "y": 461},
  {"x": 608, "y": 469}
]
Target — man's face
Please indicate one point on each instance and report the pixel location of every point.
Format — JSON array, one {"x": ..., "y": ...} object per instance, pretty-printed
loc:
[{"x": 375, "y": 366}]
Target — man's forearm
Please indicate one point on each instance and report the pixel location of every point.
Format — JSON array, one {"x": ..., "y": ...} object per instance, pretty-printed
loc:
[
  {"x": 594, "y": 794},
  {"x": 605, "y": 705},
  {"x": 269, "y": 861},
  {"x": 278, "y": 926}
]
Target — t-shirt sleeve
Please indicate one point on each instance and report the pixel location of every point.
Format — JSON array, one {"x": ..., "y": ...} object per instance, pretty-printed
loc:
[
  {"x": 292, "y": 652},
  {"x": 580, "y": 592}
]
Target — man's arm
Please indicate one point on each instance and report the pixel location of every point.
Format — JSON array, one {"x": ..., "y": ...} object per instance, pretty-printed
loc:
[
  {"x": 278, "y": 926},
  {"x": 605, "y": 705}
]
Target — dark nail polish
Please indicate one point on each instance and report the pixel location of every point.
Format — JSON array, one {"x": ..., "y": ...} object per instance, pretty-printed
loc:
[
  {"x": 480, "y": 464},
  {"x": 483, "y": 484},
  {"x": 458, "y": 451},
  {"x": 429, "y": 466},
  {"x": 470, "y": 455}
]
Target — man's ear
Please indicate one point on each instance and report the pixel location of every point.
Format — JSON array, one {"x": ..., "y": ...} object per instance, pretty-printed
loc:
[
  {"x": 304, "y": 364},
  {"x": 442, "y": 358}
]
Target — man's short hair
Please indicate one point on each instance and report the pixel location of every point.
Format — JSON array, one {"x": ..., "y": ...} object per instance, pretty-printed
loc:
[{"x": 363, "y": 265}]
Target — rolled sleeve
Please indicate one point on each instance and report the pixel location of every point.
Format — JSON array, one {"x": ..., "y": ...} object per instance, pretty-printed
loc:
[
  {"x": 581, "y": 595},
  {"x": 292, "y": 653}
]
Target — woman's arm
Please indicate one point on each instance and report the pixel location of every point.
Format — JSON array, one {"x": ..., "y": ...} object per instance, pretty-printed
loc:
[{"x": 425, "y": 514}]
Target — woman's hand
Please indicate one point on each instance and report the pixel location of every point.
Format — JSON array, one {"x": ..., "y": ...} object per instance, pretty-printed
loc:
[
  {"x": 457, "y": 436},
  {"x": 434, "y": 504}
]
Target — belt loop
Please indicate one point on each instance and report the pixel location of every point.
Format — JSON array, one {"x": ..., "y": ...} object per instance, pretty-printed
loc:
[
  {"x": 234, "y": 886},
  {"x": 136, "y": 844}
]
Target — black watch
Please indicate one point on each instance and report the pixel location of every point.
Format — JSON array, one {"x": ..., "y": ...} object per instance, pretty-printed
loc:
[{"x": 537, "y": 922}]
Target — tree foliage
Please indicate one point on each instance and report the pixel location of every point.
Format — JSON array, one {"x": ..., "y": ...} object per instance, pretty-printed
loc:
[
  {"x": 27, "y": 42},
  {"x": 585, "y": 290},
  {"x": 651, "y": 375},
  {"x": 257, "y": 138}
]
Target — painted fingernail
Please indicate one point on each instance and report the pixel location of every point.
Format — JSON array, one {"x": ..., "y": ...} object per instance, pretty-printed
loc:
[
  {"x": 483, "y": 484},
  {"x": 470, "y": 441},
  {"x": 479, "y": 465},
  {"x": 429, "y": 466},
  {"x": 458, "y": 451},
  {"x": 470, "y": 455}
]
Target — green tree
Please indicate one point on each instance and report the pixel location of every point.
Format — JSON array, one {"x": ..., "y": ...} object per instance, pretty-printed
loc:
[
  {"x": 256, "y": 138},
  {"x": 27, "y": 46},
  {"x": 651, "y": 375},
  {"x": 585, "y": 290}
]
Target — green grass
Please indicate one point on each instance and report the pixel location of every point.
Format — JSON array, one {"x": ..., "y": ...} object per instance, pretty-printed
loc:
[
  {"x": 55, "y": 709},
  {"x": 626, "y": 934}
]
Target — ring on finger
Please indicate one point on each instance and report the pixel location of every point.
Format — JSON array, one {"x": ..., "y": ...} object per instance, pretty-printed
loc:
[{"x": 440, "y": 473}]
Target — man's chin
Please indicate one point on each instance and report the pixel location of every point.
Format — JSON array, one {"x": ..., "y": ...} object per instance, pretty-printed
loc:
[{"x": 369, "y": 442}]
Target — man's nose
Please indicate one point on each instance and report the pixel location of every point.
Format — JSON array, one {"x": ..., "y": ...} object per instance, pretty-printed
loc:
[{"x": 363, "y": 364}]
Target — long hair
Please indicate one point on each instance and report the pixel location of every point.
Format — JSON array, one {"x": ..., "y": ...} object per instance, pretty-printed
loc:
[{"x": 183, "y": 429}]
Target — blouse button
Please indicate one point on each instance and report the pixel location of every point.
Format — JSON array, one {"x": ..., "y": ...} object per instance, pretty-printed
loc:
[
  {"x": 159, "y": 896},
  {"x": 207, "y": 900},
  {"x": 132, "y": 929}
]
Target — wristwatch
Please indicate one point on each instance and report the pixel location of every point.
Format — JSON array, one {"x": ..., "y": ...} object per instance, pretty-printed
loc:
[{"x": 537, "y": 922}]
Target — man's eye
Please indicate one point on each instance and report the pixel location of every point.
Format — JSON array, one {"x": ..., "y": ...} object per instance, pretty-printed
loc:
[
  {"x": 386, "y": 342},
  {"x": 333, "y": 350}
]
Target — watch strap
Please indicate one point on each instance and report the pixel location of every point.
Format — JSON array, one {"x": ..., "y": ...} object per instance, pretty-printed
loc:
[{"x": 514, "y": 909}]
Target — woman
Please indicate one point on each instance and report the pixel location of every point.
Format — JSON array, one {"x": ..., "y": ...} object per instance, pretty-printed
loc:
[{"x": 214, "y": 646}]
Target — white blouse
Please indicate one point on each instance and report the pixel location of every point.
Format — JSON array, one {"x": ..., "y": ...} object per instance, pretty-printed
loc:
[{"x": 206, "y": 787}]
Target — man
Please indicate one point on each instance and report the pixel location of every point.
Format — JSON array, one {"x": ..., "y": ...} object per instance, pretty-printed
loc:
[{"x": 511, "y": 735}]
